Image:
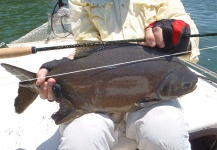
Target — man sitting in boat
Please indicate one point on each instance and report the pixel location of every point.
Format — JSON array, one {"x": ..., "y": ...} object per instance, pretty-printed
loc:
[{"x": 159, "y": 127}]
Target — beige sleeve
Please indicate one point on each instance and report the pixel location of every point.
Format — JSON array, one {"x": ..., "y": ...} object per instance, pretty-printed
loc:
[
  {"x": 81, "y": 25},
  {"x": 174, "y": 9}
]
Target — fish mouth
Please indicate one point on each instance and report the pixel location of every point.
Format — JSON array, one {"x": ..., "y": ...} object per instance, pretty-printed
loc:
[{"x": 194, "y": 88}]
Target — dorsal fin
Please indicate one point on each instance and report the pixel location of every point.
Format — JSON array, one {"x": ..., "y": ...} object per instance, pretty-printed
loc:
[{"x": 85, "y": 51}]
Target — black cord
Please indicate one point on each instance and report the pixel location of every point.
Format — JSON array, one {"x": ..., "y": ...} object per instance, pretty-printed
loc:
[
  {"x": 64, "y": 27},
  {"x": 60, "y": 3}
]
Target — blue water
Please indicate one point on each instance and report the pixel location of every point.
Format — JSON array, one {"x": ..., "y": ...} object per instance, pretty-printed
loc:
[
  {"x": 18, "y": 17},
  {"x": 204, "y": 14}
]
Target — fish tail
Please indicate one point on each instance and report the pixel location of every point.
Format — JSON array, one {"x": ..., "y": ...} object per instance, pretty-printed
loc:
[{"x": 27, "y": 91}]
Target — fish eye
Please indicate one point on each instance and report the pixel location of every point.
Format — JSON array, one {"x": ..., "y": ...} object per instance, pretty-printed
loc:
[{"x": 186, "y": 85}]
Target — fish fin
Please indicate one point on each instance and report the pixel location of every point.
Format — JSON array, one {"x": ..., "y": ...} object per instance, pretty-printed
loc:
[
  {"x": 117, "y": 118},
  {"x": 19, "y": 72},
  {"x": 85, "y": 51},
  {"x": 27, "y": 91},
  {"x": 65, "y": 113},
  {"x": 147, "y": 102},
  {"x": 26, "y": 95}
]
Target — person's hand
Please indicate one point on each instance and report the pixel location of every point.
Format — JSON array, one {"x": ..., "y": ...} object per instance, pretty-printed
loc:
[
  {"x": 45, "y": 87},
  {"x": 169, "y": 35},
  {"x": 153, "y": 37}
]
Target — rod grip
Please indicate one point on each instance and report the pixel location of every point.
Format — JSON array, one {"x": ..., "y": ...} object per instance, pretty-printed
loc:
[{"x": 16, "y": 51}]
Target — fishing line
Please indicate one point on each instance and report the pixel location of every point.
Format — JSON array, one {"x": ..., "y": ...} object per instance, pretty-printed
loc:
[
  {"x": 207, "y": 48},
  {"x": 100, "y": 67},
  {"x": 106, "y": 66},
  {"x": 212, "y": 57}
]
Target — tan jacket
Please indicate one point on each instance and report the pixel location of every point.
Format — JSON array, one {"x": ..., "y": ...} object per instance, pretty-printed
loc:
[{"x": 125, "y": 19}]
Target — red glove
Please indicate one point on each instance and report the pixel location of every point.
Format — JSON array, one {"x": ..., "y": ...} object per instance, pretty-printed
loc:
[{"x": 174, "y": 34}]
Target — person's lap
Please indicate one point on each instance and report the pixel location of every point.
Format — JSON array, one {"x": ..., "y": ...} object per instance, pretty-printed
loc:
[{"x": 159, "y": 126}]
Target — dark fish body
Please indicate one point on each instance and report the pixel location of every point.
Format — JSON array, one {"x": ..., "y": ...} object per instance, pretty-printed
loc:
[{"x": 111, "y": 80}]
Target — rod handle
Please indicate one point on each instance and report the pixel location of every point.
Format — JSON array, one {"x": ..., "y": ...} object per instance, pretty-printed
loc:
[{"x": 16, "y": 51}]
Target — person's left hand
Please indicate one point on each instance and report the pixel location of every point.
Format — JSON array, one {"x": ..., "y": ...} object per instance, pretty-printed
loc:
[
  {"x": 45, "y": 87},
  {"x": 153, "y": 37}
]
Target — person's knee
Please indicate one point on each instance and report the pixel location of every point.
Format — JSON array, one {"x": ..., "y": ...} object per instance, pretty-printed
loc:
[
  {"x": 163, "y": 128},
  {"x": 159, "y": 127},
  {"x": 162, "y": 138},
  {"x": 91, "y": 131}
]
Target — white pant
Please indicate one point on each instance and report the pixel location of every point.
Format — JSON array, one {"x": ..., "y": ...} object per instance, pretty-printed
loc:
[{"x": 157, "y": 127}]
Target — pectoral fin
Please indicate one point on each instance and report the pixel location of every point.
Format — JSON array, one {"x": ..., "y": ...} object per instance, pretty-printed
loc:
[{"x": 147, "y": 102}]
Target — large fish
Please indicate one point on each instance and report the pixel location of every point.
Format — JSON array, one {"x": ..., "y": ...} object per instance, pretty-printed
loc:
[{"x": 110, "y": 79}]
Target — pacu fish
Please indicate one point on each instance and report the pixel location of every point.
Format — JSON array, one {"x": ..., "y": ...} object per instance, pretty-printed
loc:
[{"x": 110, "y": 79}]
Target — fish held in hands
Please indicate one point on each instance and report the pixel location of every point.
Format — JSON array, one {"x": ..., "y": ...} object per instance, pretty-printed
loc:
[{"x": 109, "y": 79}]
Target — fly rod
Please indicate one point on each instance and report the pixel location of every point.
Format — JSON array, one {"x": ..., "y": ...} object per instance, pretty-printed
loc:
[{"x": 21, "y": 51}]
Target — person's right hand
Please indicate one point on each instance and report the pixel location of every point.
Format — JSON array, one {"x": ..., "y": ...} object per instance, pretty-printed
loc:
[
  {"x": 169, "y": 35},
  {"x": 154, "y": 37},
  {"x": 45, "y": 87}
]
